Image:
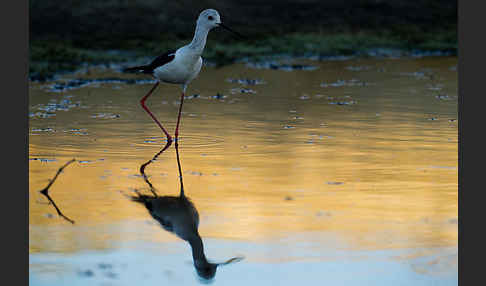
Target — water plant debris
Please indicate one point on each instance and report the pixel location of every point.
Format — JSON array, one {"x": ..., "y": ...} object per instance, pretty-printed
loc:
[{"x": 45, "y": 191}]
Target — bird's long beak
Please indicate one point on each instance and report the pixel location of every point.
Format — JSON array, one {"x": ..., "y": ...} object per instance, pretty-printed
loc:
[
  {"x": 232, "y": 260},
  {"x": 231, "y": 30}
]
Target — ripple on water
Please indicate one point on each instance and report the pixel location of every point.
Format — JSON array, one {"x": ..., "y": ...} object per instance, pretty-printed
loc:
[
  {"x": 246, "y": 81},
  {"x": 189, "y": 141},
  {"x": 204, "y": 145},
  {"x": 43, "y": 160},
  {"x": 80, "y": 83}
]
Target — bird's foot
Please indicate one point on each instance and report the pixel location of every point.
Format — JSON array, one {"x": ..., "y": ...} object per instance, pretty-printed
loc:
[{"x": 169, "y": 140}]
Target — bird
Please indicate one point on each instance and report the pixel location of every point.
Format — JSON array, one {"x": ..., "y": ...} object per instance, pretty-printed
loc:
[
  {"x": 183, "y": 65},
  {"x": 178, "y": 215}
]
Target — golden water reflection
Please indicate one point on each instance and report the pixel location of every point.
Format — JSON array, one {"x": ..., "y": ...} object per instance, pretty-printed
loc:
[{"x": 378, "y": 173}]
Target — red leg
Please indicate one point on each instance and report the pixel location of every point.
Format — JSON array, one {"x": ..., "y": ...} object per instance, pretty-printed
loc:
[
  {"x": 179, "y": 117},
  {"x": 142, "y": 102},
  {"x": 179, "y": 166}
]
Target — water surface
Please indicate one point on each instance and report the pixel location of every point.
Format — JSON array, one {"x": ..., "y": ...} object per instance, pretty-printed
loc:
[{"x": 291, "y": 168}]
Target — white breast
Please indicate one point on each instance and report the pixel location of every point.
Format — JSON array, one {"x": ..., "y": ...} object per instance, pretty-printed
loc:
[{"x": 182, "y": 69}]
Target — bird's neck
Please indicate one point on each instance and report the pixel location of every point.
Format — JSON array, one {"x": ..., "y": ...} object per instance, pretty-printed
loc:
[
  {"x": 197, "y": 249},
  {"x": 199, "y": 40}
]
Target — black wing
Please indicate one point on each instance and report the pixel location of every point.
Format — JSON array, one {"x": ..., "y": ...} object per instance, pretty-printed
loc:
[{"x": 158, "y": 62}]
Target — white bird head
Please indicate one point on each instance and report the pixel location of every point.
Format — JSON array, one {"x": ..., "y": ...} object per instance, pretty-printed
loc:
[
  {"x": 209, "y": 19},
  {"x": 207, "y": 270}
]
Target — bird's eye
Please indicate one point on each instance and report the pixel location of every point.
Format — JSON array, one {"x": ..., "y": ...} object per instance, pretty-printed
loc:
[{"x": 210, "y": 18}]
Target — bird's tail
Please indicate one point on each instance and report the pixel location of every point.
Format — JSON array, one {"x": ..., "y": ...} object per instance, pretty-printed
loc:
[
  {"x": 138, "y": 69},
  {"x": 139, "y": 198},
  {"x": 143, "y": 199}
]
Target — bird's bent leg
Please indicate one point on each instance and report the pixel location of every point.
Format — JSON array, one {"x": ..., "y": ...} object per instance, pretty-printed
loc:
[
  {"x": 142, "y": 102},
  {"x": 179, "y": 117},
  {"x": 143, "y": 166}
]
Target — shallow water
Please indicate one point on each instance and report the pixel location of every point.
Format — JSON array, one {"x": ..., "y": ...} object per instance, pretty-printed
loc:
[{"x": 348, "y": 165}]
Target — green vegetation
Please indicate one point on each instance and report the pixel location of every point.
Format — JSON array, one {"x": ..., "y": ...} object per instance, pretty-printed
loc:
[
  {"x": 66, "y": 34},
  {"x": 48, "y": 58}
]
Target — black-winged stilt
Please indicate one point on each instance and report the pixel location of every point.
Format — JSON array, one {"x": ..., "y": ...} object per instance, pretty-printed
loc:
[{"x": 183, "y": 65}]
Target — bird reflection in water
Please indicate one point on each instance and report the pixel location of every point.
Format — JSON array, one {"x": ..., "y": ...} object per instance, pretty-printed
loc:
[{"x": 178, "y": 215}]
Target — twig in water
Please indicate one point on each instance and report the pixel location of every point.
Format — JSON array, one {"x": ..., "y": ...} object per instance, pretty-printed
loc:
[{"x": 45, "y": 191}]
